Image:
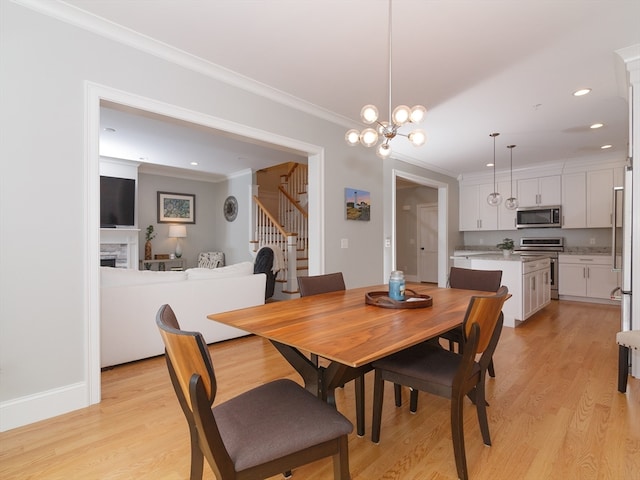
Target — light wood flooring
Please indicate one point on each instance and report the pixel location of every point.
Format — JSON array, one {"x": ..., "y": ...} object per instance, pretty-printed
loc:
[{"x": 554, "y": 413}]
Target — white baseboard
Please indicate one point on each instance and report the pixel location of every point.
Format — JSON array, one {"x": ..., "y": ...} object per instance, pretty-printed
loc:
[{"x": 43, "y": 405}]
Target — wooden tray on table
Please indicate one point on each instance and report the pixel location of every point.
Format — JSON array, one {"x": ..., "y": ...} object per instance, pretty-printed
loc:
[{"x": 412, "y": 300}]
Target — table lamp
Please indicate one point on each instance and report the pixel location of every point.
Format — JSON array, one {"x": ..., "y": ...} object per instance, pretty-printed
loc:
[{"x": 178, "y": 232}]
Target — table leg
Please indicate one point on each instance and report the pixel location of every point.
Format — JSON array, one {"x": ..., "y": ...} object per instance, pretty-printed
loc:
[{"x": 322, "y": 381}]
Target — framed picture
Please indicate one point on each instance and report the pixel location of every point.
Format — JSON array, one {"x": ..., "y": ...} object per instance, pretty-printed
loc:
[
  {"x": 176, "y": 208},
  {"x": 358, "y": 204}
]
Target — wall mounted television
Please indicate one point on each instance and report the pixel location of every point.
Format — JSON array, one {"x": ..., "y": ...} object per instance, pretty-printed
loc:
[{"x": 117, "y": 202}]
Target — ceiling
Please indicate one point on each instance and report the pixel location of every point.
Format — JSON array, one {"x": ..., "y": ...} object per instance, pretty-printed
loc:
[{"x": 479, "y": 66}]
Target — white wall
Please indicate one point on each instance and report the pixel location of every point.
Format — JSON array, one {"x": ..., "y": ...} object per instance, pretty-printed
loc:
[{"x": 46, "y": 281}]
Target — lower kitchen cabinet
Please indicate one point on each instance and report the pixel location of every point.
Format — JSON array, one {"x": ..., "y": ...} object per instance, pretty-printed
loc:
[
  {"x": 587, "y": 276},
  {"x": 528, "y": 280}
]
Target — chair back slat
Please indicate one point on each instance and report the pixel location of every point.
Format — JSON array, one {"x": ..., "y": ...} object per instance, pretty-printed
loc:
[
  {"x": 317, "y": 284},
  {"x": 485, "y": 311},
  {"x": 470, "y": 279}
]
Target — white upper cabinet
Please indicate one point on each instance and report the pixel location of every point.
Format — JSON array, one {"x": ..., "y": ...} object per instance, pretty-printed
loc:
[
  {"x": 574, "y": 200},
  {"x": 475, "y": 212},
  {"x": 600, "y": 198},
  {"x": 539, "y": 191}
]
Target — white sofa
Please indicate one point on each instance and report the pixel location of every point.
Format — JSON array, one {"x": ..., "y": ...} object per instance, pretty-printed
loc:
[{"x": 130, "y": 300}]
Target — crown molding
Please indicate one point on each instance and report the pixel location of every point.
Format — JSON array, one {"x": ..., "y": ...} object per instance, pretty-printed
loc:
[{"x": 113, "y": 31}]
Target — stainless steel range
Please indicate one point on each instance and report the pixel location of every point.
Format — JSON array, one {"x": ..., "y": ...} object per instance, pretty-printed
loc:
[{"x": 549, "y": 246}]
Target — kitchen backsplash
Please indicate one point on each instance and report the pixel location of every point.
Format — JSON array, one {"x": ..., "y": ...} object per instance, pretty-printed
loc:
[{"x": 592, "y": 238}]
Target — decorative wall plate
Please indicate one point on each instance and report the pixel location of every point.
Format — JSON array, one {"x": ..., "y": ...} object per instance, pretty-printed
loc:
[{"x": 230, "y": 208}]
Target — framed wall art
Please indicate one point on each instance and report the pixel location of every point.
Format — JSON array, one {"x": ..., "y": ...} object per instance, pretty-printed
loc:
[
  {"x": 176, "y": 208},
  {"x": 357, "y": 204}
]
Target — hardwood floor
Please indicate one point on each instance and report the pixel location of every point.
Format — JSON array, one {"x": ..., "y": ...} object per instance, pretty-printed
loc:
[{"x": 554, "y": 413}]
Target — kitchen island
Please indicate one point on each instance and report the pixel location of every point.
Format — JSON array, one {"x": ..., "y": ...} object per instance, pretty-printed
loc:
[{"x": 528, "y": 278}]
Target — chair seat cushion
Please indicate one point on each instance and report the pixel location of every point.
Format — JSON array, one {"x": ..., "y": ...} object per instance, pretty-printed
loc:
[
  {"x": 426, "y": 362},
  {"x": 282, "y": 405},
  {"x": 629, "y": 339}
]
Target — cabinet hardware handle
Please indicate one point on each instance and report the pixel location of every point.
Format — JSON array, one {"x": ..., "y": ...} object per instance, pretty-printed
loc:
[{"x": 584, "y": 272}]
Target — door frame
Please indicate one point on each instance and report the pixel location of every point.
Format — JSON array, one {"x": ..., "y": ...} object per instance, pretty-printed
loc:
[
  {"x": 94, "y": 94},
  {"x": 443, "y": 220}
]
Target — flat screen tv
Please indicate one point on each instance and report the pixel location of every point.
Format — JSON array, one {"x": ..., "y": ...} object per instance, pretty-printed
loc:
[{"x": 117, "y": 202}]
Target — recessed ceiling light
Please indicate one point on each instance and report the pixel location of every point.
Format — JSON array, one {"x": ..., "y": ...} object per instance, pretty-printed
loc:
[
  {"x": 582, "y": 91},
  {"x": 109, "y": 129},
  {"x": 194, "y": 164},
  {"x": 489, "y": 164},
  {"x": 597, "y": 125},
  {"x": 604, "y": 147}
]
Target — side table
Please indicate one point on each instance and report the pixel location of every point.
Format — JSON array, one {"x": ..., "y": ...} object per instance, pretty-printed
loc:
[{"x": 161, "y": 264}]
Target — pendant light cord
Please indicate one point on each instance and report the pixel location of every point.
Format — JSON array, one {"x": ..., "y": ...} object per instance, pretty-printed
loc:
[{"x": 390, "y": 62}]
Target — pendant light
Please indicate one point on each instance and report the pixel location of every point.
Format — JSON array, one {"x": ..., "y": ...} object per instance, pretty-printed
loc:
[
  {"x": 494, "y": 198},
  {"x": 388, "y": 130},
  {"x": 512, "y": 202}
]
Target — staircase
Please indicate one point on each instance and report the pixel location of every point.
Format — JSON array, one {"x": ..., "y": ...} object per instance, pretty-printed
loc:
[{"x": 281, "y": 222}]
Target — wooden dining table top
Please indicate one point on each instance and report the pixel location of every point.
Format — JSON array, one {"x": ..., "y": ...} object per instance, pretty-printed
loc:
[{"x": 342, "y": 327}]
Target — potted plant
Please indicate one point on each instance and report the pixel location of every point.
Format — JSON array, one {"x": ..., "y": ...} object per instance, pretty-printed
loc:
[
  {"x": 149, "y": 235},
  {"x": 506, "y": 246}
]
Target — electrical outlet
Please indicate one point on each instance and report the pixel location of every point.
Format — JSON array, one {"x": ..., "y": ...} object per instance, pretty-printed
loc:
[
  {"x": 387, "y": 242},
  {"x": 344, "y": 243},
  {"x": 592, "y": 241}
]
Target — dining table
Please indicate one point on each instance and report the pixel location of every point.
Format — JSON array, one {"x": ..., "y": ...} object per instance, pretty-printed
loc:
[{"x": 350, "y": 329}]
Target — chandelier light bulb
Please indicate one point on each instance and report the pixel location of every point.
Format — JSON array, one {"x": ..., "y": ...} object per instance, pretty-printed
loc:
[
  {"x": 401, "y": 114},
  {"x": 383, "y": 150},
  {"x": 369, "y": 114},
  {"x": 369, "y": 137},
  {"x": 417, "y": 138},
  {"x": 352, "y": 137},
  {"x": 418, "y": 113}
]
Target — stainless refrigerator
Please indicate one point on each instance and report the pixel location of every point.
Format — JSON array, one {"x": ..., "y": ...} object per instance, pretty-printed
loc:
[{"x": 621, "y": 252}]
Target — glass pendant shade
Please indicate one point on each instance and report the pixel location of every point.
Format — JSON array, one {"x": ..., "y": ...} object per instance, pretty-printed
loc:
[
  {"x": 352, "y": 137},
  {"x": 417, "y": 138},
  {"x": 384, "y": 150},
  {"x": 401, "y": 114},
  {"x": 417, "y": 114},
  {"x": 369, "y": 137},
  {"x": 494, "y": 199},
  {"x": 511, "y": 203},
  {"x": 369, "y": 114}
]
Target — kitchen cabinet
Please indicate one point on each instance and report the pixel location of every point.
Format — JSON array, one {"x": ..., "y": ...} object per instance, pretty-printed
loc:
[
  {"x": 600, "y": 198},
  {"x": 539, "y": 191},
  {"x": 536, "y": 285},
  {"x": 574, "y": 200},
  {"x": 589, "y": 276},
  {"x": 587, "y": 199},
  {"x": 475, "y": 212},
  {"x": 527, "y": 277}
]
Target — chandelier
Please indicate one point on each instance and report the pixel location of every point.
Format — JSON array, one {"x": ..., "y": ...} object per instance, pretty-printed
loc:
[{"x": 388, "y": 130}]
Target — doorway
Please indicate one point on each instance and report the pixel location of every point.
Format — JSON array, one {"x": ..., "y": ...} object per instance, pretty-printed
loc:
[
  {"x": 428, "y": 243},
  {"x": 95, "y": 94}
]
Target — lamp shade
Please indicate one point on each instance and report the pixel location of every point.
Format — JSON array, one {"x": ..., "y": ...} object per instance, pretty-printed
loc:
[{"x": 177, "y": 231}]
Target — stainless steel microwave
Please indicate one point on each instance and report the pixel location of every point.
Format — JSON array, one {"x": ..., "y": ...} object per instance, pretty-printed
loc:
[{"x": 539, "y": 217}]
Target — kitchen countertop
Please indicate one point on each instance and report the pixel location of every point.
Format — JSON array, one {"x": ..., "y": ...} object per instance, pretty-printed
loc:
[{"x": 514, "y": 257}]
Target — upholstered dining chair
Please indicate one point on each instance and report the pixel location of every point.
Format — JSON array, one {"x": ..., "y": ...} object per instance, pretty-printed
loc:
[
  {"x": 334, "y": 282},
  {"x": 626, "y": 341},
  {"x": 431, "y": 368},
  {"x": 265, "y": 431}
]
